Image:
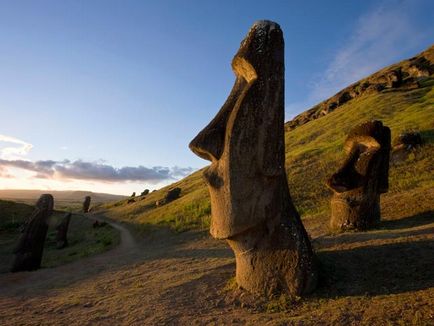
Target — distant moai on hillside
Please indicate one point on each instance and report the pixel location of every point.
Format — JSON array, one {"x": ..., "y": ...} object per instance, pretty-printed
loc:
[
  {"x": 28, "y": 252},
  {"x": 172, "y": 194},
  {"x": 86, "y": 204},
  {"x": 62, "y": 232},
  {"x": 362, "y": 178},
  {"x": 250, "y": 202},
  {"x": 144, "y": 192}
]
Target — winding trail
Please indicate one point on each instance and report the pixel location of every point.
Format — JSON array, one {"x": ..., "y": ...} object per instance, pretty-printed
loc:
[{"x": 25, "y": 282}]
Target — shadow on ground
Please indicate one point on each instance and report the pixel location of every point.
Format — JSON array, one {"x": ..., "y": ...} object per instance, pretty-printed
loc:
[
  {"x": 412, "y": 226},
  {"x": 376, "y": 267}
]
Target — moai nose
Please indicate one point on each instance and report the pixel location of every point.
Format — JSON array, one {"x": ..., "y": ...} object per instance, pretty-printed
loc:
[{"x": 209, "y": 143}]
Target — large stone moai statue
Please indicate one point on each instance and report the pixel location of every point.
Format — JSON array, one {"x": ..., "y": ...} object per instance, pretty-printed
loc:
[
  {"x": 28, "y": 252},
  {"x": 62, "y": 232},
  {"x": 86, "y": 204},
  {"x": 357, "y": 185},
  {"x": 250, "y": 201}
]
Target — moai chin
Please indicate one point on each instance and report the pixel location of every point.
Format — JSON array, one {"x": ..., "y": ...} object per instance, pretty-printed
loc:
[
  {"x": 28, "y": 252},
  {"x": 363, "y": 176},
  {"x": 250, "y": 201},
  {"x": 86, "y": 204}
]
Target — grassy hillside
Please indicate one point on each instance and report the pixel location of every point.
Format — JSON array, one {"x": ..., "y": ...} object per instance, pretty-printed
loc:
[
  {"x": 83, "y": 239},
  {"x": 313, "y": 152}
]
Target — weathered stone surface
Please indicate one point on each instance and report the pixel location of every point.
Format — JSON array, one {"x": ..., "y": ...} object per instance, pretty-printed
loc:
[
  {"x": 86, "y": 204},
  {"x": 28, "y": 252},
  {"x": 62, "y": 232},
  {"x": 250, "y": 201},
  {"x": 363, "y": 176},
  {"x": 172, "y": 194}
]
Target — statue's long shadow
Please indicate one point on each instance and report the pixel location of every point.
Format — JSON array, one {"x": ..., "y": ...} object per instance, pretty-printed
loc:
[
  {"x": 381, "y": 267},
  {"x": 387, "y": 230}
]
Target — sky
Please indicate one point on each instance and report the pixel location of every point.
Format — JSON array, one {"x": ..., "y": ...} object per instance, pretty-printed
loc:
[{"x": 105, "y": 95}]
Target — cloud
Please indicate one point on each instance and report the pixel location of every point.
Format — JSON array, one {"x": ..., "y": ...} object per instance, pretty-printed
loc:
[
  {"x": 97, "y": 171},
  {"x": 14, "y": 148},
  {"x": 178, "y": 172},
  {"x": 379, "y": 38}
]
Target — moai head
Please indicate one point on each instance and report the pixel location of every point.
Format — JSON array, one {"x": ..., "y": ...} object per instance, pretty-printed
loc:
[
  {"x": 357, "y": 185},
  {"x": 245, "y": 141},
  {"x": 45, "y": 203}
]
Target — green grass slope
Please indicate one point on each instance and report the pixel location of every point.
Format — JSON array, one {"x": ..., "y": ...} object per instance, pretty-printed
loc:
[{"x": 313, "y": 152}]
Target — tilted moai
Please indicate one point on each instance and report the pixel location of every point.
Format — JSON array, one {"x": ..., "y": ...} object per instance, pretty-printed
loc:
[
  {"x": 62, "y": 232},
  {"x": 28, "y": 252},
  {"x": 86, "y": 204},
  {"x": 172, "y": 194},
  {"x": 363, "y": 176},
  {"x": 250, "y": 201}
]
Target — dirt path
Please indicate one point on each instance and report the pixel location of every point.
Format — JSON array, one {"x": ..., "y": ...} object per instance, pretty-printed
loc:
[
  {"x": 180, "y": 279},
  {"x": 127, "y": 240},
  {"x": 27, "y": 282}
]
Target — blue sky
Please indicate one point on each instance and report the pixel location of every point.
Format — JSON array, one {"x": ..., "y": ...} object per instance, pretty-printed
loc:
[{"x": 96, "y": 94}]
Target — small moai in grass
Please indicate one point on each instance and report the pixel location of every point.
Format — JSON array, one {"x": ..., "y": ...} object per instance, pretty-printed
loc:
[
  {"x": 86, "y": 204},
  {"x": 251, "y": 206},
  {"x": 62, "y": 232},
  {"x": 172, "y": 194},
  {"x": 144, "y": 192},
  {"x": 29, "y": 250},
  {"x": 362, "y": 178},
  {"x": 133, "y": 194}
]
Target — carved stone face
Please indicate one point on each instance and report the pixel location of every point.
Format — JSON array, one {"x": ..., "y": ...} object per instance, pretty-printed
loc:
[
  {"x": 245, "y": 141},
  {"x": 357, "y": 185},
  {"x": 367, "y": 147}
]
